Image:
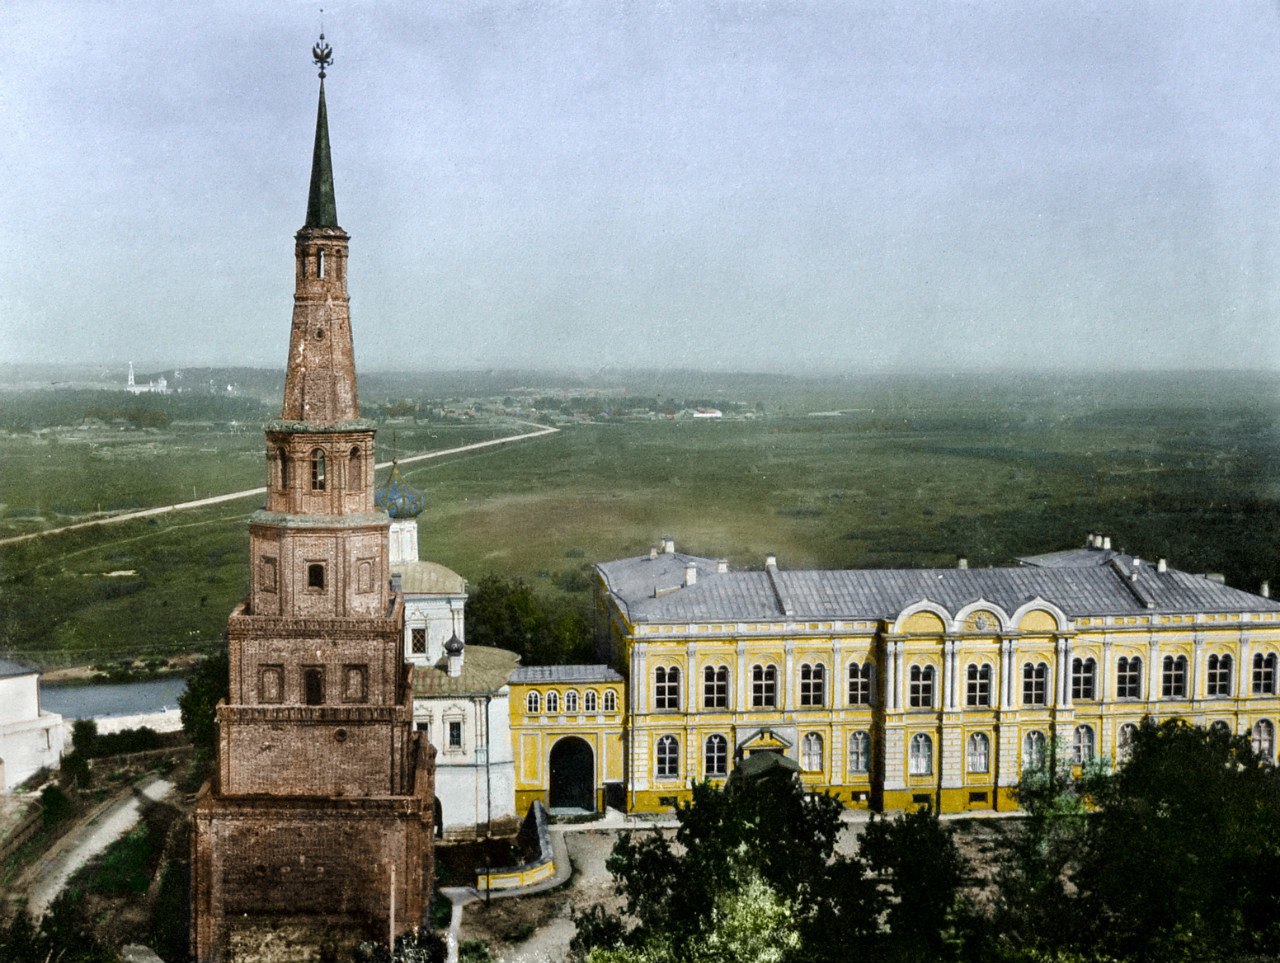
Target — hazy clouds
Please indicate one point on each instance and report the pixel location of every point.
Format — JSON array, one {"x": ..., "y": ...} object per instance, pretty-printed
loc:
[{"x": 741, "y": 185}]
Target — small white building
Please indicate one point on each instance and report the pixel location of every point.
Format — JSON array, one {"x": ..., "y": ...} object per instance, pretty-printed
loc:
[
  {"x": 30, "y": 738},
  {"x": 460, "y": 695}
]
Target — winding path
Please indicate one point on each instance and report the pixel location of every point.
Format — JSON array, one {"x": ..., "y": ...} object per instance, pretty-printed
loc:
[
  {"x": 250, "y": 492},
  {"x": 86, "y": 841}
]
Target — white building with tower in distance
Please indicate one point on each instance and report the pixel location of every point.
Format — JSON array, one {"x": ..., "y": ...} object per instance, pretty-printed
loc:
[
  {"x": 159, "y": 387},
  {"x": 460, "y": 695},
  {"x": 30, "y": 738}
]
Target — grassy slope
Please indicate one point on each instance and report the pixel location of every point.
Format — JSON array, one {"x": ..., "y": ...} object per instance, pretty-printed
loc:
[{"x": 914, "y": 475}]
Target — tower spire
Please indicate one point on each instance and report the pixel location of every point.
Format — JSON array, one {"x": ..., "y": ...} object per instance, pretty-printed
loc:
[{"x": 322, "y": 209}]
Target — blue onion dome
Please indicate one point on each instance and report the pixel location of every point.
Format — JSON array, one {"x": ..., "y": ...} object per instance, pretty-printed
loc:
[
  {"x": 398, "y": 498},
  {"x": 454, "y": 645}
]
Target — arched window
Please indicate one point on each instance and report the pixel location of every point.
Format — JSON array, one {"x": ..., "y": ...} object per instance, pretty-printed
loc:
[
  {"x": 920, "y": 760},
  {"x": 764, "y": 686},
  {"x": 355, "y": 472},
  {"x": 1218, "y": 679},
  {"x": 282, "y": 460},
  {"x": 1124, "y": 741},
  {"x": 532, "y": 703},
  {"x": 1082, "y": 745},
  {"x": 1173, "y": 677},
  {"x": 320, "y": 262},
  {"x": 1129, "y": 678},
  {"x": 716, "y": 756},
  {"x": 920, "y": 695},
  {"x": 666, "y": 687},
  {"x": 813, "y": 685},
  {"x": 668, "y": 758},
  {"x": 553, "y": 702},
  {"x": 571, "y": 701},
  {"x": 589, "y": 701},
  {"x": 315, "y": 575},
  {"x": 1084, "y": 679},
  {"x": 811, "y": 752},
  {"x": 1264, "y": 674},
  {"x": 1264, "y": 739},
  {"x": 610, "y": 701},
  {"x": 978, "y": 685},
  {"x": 1033, "y": 750},
  {"x": 715, "y": 687},
  {"x": 859, "y": 752},
  {"x": 1035, "y": 684},
  {"x": 1220, "y": 727},
  {"x": 979, "y": 752},
  {"x": 859, "y": 683},
  {"x": 317, "y": 470}
]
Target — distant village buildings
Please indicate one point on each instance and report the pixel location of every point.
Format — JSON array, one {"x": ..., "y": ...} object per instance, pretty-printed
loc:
[{"x": 30, "y": 738}]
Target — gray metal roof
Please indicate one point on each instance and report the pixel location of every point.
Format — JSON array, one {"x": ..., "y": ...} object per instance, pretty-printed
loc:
[
  {"x": 528, "y": 674},
  {"x": 653, "y": 590},
  {"x": 1072, "y": 558}
]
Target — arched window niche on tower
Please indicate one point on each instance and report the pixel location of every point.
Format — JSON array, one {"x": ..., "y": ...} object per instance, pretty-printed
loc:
[
  {"x": 317, "y": 470},
  {"x": 320, "y": 262},
  {"x": 282, "y": 461},
  {"x": 355, "y": 474}
]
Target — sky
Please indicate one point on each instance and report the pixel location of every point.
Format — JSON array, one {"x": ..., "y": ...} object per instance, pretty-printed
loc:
[{"x": 759, "y": 185}]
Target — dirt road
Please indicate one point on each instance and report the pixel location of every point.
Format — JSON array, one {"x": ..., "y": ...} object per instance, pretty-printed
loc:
[
  {"x": 250, "y": 492},
  {"x": 47, "y": 877}
]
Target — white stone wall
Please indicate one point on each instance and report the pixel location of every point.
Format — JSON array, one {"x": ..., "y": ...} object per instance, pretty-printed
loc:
[
  {"x": 476, "y": 782},
  {"x": 19, "y": 698},
  {"x": 27, "y": 746},
  {"x": 441, "y": 616}
]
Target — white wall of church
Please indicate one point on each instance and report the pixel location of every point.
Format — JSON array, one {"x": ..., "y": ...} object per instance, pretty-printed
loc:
[
  {"x": 439, "y": 616},
  {"x": 475, "y": 772},
  {"x": 29, "y": 738}
]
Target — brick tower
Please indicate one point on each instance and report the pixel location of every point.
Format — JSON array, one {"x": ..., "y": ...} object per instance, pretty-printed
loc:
[{"x": 321, "y": 803}]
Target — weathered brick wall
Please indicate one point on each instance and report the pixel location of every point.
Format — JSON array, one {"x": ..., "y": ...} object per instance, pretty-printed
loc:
[
  {"x": 302, "y": 751},
  {"x": 328, "y": 858},
  {"x": 355, "y": 571},
  {"x": 378, "y": 654}
]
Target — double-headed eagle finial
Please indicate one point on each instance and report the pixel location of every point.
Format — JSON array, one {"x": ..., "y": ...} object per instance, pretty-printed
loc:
[{"x": 322, "y": 53}]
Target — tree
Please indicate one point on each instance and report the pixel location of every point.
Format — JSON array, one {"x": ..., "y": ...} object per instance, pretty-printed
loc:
[
  {"x": 918, "y": 858},
  {"x": 84, "y": 737},
  {"x": 206, "y": 687},
  {"x": 1033, "y": 908},
  {"x": 739, "y": 854},
  {"x": 1182, "y": 861},
  {"x": 508, "y": 614}
]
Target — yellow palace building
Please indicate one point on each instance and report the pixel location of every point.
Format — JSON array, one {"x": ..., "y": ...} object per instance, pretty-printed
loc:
[{"x": 900, "y": 688}]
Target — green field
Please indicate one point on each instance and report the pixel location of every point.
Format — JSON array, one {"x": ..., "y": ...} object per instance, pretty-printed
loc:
[{"x": 908, "y": 473}]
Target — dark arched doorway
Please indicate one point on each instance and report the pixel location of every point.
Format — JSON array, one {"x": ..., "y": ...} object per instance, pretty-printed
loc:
[
  {"x": 437, "y": 812},
  {"x": 573, "y": 783}
]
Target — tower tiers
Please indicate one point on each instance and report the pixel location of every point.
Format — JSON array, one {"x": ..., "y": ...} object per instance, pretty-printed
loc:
[{"x": 321, "y": 800}]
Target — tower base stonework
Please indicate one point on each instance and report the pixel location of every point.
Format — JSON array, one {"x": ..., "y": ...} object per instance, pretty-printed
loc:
[{"x": 364, "y": 865}]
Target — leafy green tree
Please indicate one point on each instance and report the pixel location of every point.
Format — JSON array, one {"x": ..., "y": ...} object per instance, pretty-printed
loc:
[
  {"x": 918, "y": 858},
  {"x": 1182, "y": 860},
  {"x": 1033, "y": 908},
  {"x": 84, "y": 737},
  {"x": 762, "y": 827},
  {"x": 749, "y": 923},
  {"x": 208, "y": 684},
  {"x": 64, "y": 934},
  {"x": 508, "y": 614}
]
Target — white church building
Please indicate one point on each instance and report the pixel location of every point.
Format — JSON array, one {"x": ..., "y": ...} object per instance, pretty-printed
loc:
[
  {"x": 30, "y": 738},
  {"x": 460, "y": 695}
]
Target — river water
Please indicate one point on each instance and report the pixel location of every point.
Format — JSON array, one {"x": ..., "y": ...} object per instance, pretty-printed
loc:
[{"x": 123, "y": 699}]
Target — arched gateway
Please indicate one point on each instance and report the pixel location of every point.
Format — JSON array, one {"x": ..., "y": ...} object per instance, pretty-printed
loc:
[{"x": 573, "y": 784}]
